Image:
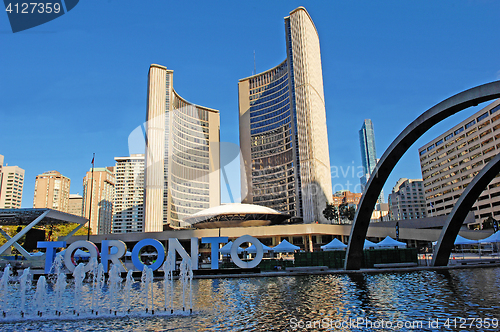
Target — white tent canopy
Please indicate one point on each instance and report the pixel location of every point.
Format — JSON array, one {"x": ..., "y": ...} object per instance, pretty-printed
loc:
[
  {"x": 252, "y": 249},
  {"x": 460, "y": 240},
  {"x": 335, "y": 244},
  {"x": 369, "y": 244},
  {"x": 389, "y": 242},
  {"x": 493, "y": 238},
  {"x": 226, "y": 249},
  {"x": 285, "y": 246}
]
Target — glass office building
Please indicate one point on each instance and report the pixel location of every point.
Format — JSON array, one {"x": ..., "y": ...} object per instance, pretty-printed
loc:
[
  {"x": 368, "y": 154},
  {"x": 283, "y": 135}
]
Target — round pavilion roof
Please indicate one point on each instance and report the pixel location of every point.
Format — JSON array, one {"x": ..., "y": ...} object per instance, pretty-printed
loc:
[{"x": 229, "y": 213}]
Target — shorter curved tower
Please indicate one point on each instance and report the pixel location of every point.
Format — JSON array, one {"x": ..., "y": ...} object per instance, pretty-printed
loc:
[
  {"x": 182, "y": 155},
  {"x": 283, "y": 135}
]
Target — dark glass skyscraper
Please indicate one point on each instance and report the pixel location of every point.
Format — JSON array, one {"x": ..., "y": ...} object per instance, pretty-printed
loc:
[{"x": 368, "y": 153}]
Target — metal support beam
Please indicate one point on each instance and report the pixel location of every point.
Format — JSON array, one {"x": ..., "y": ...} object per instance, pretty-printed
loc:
[
  {"x": 21, "y": 233},
  {"x": 70, "y": 234},
  {"x": 462, "y": 207},
  {"x": 16, "y": 245},
  {"x": 439, "y": 112}
]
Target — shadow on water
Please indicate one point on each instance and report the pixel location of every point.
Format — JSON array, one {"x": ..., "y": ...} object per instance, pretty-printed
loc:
[{"x": 362, "y": 291}]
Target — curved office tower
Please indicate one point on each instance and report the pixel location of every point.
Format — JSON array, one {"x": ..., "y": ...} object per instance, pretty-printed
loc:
[
  {"x": 283, "y": 135},
  {"x": 182, "y": 155}
]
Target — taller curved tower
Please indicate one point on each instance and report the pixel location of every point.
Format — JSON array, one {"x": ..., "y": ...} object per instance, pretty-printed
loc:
[
  {"x": 283, "y": 135},
  {"x": 182, "y": 155}
]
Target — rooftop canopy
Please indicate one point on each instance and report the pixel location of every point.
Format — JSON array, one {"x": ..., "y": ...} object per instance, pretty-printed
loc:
[
  {"x": 15, "y": 217},
  {"x": 31, "y": 218},
  {"x": 236, "y": 215}
]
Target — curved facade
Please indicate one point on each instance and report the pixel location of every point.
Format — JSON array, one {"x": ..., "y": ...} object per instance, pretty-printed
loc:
[
  {"x": 283, "y": 135},
  {"x": 182, "y": 155}
]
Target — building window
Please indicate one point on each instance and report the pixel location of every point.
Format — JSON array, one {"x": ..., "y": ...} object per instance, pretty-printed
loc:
[
  {"x": 470, "y": 124},
  {"x": 495, "y": 109},
  {"x": 482, "y": 117}
]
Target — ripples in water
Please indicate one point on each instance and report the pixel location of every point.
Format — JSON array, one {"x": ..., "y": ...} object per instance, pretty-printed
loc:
[{"x": 284, "y": 303}]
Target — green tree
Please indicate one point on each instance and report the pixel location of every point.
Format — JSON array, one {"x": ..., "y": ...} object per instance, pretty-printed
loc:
[
  {"x": 52, "y": 232},
  {"x": 347, "y": 212},
  {"x": 331, "y": 212},
  {"x": 60, "y": 230}
]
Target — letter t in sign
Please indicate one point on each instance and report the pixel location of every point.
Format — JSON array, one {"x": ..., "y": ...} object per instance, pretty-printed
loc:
[{"x": 214, "y": 242}]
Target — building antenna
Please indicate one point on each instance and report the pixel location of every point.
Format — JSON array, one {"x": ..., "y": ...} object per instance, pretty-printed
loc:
[{"x": 254, "y": 66}]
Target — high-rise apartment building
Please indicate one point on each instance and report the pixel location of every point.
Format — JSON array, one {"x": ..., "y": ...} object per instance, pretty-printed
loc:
[
  {"x": 182, "y": 174},
  {"x": 128, "y": 207},
  {"x": 451, "y": 160},
  {"x": 283, "y": 135},
  {"x": 407, "y": 200},
  {"x": 368, "y": 154},
  {"x": 52, "y": 191},
  {"x": 11, "y": 186},
  {"x": 76, "y": 205},
  {"x": 99, "y": 204}
]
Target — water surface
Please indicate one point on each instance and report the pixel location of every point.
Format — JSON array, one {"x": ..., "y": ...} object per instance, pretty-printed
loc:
[{"x": 416, "y": 301}]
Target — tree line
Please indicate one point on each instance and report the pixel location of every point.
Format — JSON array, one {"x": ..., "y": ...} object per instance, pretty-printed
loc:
[{"x": 341, "y": 214}]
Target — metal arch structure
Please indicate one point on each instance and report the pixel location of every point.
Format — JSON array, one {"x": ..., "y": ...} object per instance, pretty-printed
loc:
[
  {"x": 434, "y": 115},
  {"x": 31, "y": 218},
  {"x": 462, "y": 207}
]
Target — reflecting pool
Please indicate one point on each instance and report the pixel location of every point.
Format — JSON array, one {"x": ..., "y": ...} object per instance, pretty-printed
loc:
[{"x": 466, "y": 300}]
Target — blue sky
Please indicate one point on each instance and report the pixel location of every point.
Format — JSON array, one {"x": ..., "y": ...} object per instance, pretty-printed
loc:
[{"x": 77, "y": 85}]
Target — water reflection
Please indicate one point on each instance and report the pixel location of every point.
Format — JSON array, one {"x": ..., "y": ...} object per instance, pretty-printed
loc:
[
  {"x": 280, "y": 303},
  {"x": 362, "y": 292}
]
